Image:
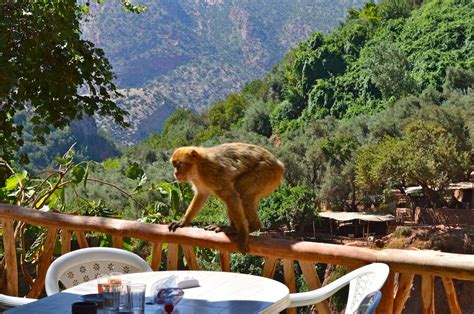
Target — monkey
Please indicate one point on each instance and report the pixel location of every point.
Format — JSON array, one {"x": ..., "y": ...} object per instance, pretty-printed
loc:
[{"x": 239, "y": 174}]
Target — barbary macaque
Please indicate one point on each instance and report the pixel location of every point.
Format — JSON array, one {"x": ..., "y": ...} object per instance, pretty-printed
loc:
[{"x": 239, "y": 174}]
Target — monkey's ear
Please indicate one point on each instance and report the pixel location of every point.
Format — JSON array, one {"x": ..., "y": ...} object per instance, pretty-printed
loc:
[{"x": 194, "y": 153}]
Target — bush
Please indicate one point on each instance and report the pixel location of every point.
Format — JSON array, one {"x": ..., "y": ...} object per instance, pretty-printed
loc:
[{"x": 402, "y": 232}]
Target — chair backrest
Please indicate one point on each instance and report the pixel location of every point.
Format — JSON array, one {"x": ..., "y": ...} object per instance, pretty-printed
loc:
[
  {"x": 86, "y": 264},
  {"x": 365, "y": 280}
]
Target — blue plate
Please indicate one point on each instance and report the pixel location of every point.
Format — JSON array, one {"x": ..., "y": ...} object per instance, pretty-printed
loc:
[{"x": 94, "y": 297}]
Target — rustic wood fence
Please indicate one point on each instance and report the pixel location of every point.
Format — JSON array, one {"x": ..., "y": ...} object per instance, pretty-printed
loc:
[{"x": 404, "y": 265}]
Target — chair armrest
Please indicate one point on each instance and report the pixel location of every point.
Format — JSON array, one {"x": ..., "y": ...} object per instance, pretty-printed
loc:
[
  {"x": 315, "y": 296},
  {"x": 7, "y": 302},
  {"x": 321, "y": 294}
]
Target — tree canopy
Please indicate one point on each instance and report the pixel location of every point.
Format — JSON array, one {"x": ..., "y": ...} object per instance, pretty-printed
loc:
[{"x": 49, "y": 71}]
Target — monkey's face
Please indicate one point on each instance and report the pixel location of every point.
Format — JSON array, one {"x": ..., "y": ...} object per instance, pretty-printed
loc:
[
  {"x": 182, "y": 170},
  {"x": 182, "y": 164}
]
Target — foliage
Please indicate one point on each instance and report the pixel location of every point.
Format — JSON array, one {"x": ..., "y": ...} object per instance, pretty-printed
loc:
[
  {"x": 389, "y": 70},
  {"x": 339, "y": 299},
  {"x": 246, "y": 264},
  {"x": 214, "y": 212},
  {"x": 289, "y": 205},
  {"x": 257, "y": 118},
  {"x": 180, "y": 129},
  {"x": 224, "y": 114},
  {"x": 427, "y": 155},
  {"x": 402, "y": 232},
  {"x": 47, "y": 68},
  {"x": 170, "y": 201},
  {"x": 365, "y": 64}
]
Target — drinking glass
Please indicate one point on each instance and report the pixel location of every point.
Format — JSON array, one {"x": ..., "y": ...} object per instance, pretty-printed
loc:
[
  {"x": 102, "y": 280},
  {"x": 125, "y": 303},
  {"x": 111, "y": 297},
  {"x": 137, "y": 297},
  {"x": 115, "y": 277}
]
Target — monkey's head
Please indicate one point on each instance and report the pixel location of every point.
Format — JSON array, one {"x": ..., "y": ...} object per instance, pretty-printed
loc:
[{"x": 184, "y": 163}]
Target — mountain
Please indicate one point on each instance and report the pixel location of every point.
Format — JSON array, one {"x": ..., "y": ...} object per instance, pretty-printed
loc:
[{"x": 187, "y": 53}]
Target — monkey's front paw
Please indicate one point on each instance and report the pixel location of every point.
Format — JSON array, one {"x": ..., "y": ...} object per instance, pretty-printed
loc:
[{"x": 175, "y": 225}]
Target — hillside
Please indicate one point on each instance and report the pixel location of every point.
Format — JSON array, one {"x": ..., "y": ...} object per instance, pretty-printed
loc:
[{"x": 194, "y": 53}]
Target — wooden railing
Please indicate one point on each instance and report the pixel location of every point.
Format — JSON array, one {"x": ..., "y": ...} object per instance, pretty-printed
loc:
[{"x": 404, "y": 265}]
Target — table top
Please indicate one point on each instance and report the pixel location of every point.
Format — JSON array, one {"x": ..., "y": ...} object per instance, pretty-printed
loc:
[{"x": 218, "y": 292}]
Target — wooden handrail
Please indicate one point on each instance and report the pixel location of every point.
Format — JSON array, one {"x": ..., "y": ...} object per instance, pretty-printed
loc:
[{"x": 427, "y": 263}]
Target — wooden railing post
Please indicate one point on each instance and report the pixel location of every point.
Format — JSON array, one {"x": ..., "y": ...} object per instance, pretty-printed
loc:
[
  {"x": 65, "y": 241},
  {"x": 82, "y": 239},
  {"x": 224, "y": 258},
  {"x": 312, "y": 280},
  {"x": 269, "y": 267},
  {"x": 157, "y": 250},
  {"x": 405, "y": 281},
  {"x": 386, "y": 304},
  {"x": 117, "y": 242},
  {"x": 427, "y": 294},
  {"x": 453, "y": 302},
  {"x": 190, "y": 257},
  {"x": 290, "y": 280},
  {"x": 11, "y": 263},
  {"x": 44, "y": 262},
  {"x": 172, "y": 256}
]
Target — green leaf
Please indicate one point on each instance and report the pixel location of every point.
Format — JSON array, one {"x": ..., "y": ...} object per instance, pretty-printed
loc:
[
  {"x": 78, "y": 173},
  {"x": 174, "y": 202},
  {"x": 40, "y": 203},
  {"x": 61, "y": 161},
  {"x": 15, "y": 180},
  {"x": 84, "y": 8}
]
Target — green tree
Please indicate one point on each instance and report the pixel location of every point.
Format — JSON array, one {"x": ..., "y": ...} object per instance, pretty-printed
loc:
[
  {"x": 228, "y": 112},
  {"x": 392, "y": 9},
  {"x": 389, "y": 69},
  {"x": 293, "y": 206},
  {"x": 427, "y": 155},
  {"x": 47, "y": 69},
  {"x": 181, "y": 128},
  {"x": 459, "y": 79},
  {"x": 257, "y": 118}
]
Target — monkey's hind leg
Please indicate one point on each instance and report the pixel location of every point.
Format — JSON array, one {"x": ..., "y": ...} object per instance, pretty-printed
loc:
[
  {"x": 249, "y": 204},
  {"x": 237, "y": 217}
]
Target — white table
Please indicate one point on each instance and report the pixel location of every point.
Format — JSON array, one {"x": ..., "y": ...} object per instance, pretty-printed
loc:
[{"x": 218, "y": 292}]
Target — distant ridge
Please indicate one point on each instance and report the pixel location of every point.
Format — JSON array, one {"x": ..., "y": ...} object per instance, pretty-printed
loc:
[{"x": 194, "y": 53}]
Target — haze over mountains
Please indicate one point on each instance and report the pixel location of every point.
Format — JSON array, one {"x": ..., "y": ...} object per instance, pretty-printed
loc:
[{"x": 192, "y": 53}]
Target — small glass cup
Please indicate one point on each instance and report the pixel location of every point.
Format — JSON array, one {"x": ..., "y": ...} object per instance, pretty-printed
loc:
[
  {"x": 102, "y": 280},
  {"x": 115, "y": 278},
  {"x": 111, "y": 297},
  {"x": 137, "y": 297},
  {"x": 125, "y": 302}
]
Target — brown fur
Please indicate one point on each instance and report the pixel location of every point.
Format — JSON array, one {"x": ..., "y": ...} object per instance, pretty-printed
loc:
[{"x": 237, "y": 173}]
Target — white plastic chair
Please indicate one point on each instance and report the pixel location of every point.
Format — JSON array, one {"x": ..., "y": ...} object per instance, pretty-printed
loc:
[
  {"x": 8, "y": 302},
  {"x": 362, "y": 282},
  {"x": 86, "y": 264}
]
